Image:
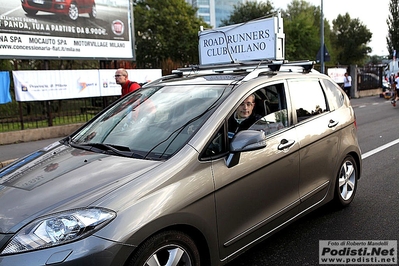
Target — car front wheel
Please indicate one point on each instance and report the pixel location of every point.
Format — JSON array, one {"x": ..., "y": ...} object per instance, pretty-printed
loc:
[
  {"x": 346, "y": 184},
  {"x": 167, "y": 248},
  {"x": 73, "y": 11}
]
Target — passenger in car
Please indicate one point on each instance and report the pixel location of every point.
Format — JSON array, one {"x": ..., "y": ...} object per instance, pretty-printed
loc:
[{"x": 243, "y": 117}]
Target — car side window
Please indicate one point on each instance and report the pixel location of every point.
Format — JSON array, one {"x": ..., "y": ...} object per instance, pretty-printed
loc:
[
  {"x": 274, "y": 115},
  {"x": 218, "y": 145},
  {"x": 308, "y": 98},
  {"x": 269, "y": 114},
  {"x": 334, "y": 94}
]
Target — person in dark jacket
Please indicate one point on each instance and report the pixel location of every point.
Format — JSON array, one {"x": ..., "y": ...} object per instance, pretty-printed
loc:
[{"x": 244, "y": 117}]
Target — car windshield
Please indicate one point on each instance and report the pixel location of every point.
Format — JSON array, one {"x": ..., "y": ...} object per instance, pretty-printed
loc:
[{"x": 152, "y": 123}]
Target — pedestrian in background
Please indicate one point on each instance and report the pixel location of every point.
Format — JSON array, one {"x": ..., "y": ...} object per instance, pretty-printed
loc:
[
  {"x": 347, "y": 84},
  {"x": 392, "y": 79},
  {"x": 395, "y": 93},
  {"x": 397, "y": 79},
  {"x": 121, "y": 78}
]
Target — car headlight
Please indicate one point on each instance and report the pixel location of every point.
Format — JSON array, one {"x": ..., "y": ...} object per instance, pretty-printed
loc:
[{"x": 58, "y": 229}]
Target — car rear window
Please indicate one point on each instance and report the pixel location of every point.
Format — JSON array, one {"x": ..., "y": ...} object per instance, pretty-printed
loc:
[{"x": 334, "y": 94}]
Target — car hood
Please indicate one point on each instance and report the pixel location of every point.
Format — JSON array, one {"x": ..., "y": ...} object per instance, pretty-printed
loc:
[{"x": 60, "y": 178}]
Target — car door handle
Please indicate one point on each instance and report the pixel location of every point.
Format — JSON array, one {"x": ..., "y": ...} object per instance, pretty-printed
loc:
[
  {"x": 332, "y": 123},
  {"x": 285, "y": 144}
]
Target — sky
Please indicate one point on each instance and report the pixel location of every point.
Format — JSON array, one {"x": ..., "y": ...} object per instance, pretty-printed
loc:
[{"x": 373, "y": 14}]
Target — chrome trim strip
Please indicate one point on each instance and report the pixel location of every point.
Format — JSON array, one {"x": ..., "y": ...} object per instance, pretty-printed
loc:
[
  {"x": 260, "y": 224},
  {"x": 314, "y": 191}
]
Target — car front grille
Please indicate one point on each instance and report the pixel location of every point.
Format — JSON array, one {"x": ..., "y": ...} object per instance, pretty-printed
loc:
[{"x": 46, "y": 5}]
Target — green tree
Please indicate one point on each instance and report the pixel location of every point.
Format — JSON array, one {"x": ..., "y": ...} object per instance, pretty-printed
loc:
[
  {"x": 350, "y": 38},
  {"x": 250, "y": 10},
  {"x": 375, "y": 59},
  {"x": 166, "y": 30},
  {"x": 6, "y": 64},
  {"x": 302, "y": 31},
  {"x": 393, "y": 26},
  {"x": 301, "y": 25}
]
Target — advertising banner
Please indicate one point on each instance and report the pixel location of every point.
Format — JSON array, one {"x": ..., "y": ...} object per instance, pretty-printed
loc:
[
  {"x": 42, "y": 85},
  {"x": 55, "y": 84},
  {"x": 337, "y": 74},
  {"x": 96, "y": 29},
  {"x": 255, "y": 40}
]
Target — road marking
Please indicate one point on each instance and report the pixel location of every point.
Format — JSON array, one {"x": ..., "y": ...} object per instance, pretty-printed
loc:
[
  {"x": 383, "y": 147},
  {"x": 9, "y": 12}
]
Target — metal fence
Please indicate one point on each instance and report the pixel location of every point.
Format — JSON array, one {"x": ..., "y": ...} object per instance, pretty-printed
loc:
[
  {"x": 370, "y": 77},
  {"x": 27, "y": 115}
]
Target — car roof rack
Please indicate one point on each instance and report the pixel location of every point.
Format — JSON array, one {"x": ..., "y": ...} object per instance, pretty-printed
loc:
[
  {"x": 249, "y": 66},
  {"x": 177, "y": 74},
  {"x": 306, "y": 65}
]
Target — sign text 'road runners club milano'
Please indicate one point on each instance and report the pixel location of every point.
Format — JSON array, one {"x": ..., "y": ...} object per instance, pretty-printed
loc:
[{"x": 255, "y": 40}]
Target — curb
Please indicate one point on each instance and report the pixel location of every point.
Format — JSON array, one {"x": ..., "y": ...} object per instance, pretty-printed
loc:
[
  {"x": 5, "y": 163},
  {"x": 27, "y": 135}
]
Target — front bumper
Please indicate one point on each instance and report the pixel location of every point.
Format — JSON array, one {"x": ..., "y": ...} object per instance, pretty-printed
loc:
[{"x": 89, "y": 251}]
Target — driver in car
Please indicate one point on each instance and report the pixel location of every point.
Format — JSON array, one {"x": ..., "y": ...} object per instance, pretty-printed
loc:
[{"x": 243, "y": 117}]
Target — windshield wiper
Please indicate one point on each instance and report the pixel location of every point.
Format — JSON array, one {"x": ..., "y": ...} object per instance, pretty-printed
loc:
[{"x": 116, "y": 149}]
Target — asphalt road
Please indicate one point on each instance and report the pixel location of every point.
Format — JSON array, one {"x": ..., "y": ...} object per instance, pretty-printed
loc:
[{"x": 18, "y": 150}]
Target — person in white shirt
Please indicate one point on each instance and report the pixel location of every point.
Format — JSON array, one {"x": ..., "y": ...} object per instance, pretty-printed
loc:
[
  {"x": 347, "y": 84},
  {"x": 397, "y": 79}
]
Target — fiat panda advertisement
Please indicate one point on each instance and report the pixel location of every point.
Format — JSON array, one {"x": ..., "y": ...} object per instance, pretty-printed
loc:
[{"x": 66, "y": 29}]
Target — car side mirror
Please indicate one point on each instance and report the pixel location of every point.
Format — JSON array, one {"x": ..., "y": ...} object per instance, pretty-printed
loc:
[{"x": 246, "y": 140}]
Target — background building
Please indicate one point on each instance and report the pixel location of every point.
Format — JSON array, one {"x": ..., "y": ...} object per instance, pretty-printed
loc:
[{"x": 213, "y": 11}]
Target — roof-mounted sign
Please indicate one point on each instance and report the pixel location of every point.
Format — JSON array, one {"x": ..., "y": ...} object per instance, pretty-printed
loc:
[{"x": 255, "y": 40}]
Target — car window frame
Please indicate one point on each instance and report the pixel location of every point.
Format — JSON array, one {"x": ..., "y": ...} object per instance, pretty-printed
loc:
[
  {"x": 294, "y": 101},
  {"x": 283, "y": 102}
]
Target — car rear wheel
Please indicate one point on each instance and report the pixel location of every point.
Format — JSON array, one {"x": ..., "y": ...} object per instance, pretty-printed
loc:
[
  {"x": 167, "y": 248},
  {"x": 93, "y": 12},
  {"x": 346, "y": 184},
  {"x": 73, "y": 11}
]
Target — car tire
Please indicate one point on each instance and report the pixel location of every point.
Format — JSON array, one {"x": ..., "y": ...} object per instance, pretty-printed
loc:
[
  {"x": 73, "y": 11},
  {"x": 346, "y": 183},
  {"x": 166, "y": 247},
  {"x": 28, "y": 11},
  {"x": 93, "y": 13}
]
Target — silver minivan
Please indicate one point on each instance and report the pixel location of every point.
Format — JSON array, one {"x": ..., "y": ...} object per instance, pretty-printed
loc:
[{"x": 163, "y": 177}]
